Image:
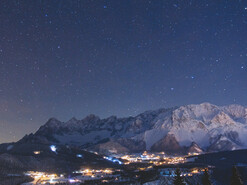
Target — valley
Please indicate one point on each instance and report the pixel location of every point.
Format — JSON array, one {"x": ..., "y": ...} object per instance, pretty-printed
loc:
[{"x": 147, "y": 148}]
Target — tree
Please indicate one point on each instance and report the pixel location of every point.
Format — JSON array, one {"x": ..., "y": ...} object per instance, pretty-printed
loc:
[
  {"x": 206, "y": 178},
  {"x": 178, "y": 180},
  {"x": 235, "y": 179}
]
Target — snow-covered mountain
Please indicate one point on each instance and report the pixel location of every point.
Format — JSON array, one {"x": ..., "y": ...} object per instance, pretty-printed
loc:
[{"x": 197, "y": 128}]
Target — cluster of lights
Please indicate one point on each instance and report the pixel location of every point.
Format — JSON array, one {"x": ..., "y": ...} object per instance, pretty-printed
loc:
[
  {"x": 192, "y": 154},
  {"x": 41, "y": 176},
  {"x": 171, "y": 172},
  {"x": 155, "y": 159},
  {"x": 145, "y": 168},
  {"x": 174, "y": 160},
  {"x": 145, "y": 157},
  {"x": 93, "y": 172},
  {"x": 113, "y": 160},
  {"x": 46, "y": 178}
]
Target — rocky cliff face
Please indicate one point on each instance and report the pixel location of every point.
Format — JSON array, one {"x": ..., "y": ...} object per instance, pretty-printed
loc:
[
  {"x": 168, "y": 144},
  {"x": 199, "y": 127}
]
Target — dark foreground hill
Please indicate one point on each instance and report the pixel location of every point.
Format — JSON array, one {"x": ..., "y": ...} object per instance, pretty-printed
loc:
[
  {"x": 223, "y": 163},
  {"x": 19, "y": 157}
]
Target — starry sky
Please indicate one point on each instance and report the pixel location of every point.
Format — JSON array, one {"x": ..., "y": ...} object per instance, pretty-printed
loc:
[{"x": 65, "y": 58}]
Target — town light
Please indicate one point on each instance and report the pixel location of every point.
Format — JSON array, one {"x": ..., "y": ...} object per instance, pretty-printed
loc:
[{"x": 53, "y": 148}]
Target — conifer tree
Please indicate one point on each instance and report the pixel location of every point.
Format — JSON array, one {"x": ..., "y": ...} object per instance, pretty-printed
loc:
[
  {"x": 206, "y": 178},
  {"x": 235, "y": 179},
  {"x": 178, "y": 180}
]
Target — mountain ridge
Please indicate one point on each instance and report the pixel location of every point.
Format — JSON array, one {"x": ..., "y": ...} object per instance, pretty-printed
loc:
[{"x": 208, "y": 127}]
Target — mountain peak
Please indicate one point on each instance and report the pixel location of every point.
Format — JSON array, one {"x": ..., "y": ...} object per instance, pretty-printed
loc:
[
  {"x": 194, "y": 148},
  {"x": 53, "y": 122},
  {"x": 72, "y": 120},
  {"x": 91, "y": 117}
]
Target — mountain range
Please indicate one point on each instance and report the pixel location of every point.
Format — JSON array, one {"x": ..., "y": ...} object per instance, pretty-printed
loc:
[{"x": 186, "y": 129}]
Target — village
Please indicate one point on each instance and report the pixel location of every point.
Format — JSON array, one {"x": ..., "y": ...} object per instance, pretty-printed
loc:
[{"x": 131, "y": 169}]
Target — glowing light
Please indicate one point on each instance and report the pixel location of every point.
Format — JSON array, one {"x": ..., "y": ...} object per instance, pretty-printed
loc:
[
  {"x": 72, "y": 180},
  {"x": 36, "y": 152},
  {"x": 113, "y": 160},
  {"x": 51, "y": 181},
  {"x": 53, "y": 148},
  {"x": 79, "y": 155}
]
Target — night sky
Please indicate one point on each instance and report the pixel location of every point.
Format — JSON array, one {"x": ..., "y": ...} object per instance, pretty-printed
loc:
[{"x": 117, "y": 57}]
